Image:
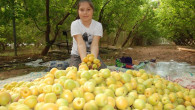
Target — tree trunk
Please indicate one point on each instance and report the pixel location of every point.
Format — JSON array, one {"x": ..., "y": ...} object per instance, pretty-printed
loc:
[
  {"x": 132, "y": 30},
  {"x": 3, "y": 46},
  {"x": 47, "y": 32},
  {"x": 117, "y": 36},
  {"x": 14, "y": 27},
  {"x": 134, "y": 37},
  {"x": 129, "y": 35},
  {"x": 45, "y": 50}
]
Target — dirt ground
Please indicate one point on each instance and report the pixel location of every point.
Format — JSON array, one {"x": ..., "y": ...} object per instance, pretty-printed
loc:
[
  {"x": 160, "y": 53},
  {"x": 9, "y": 65}
]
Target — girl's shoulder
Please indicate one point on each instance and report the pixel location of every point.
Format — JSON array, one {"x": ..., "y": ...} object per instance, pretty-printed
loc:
[
  {"x": 96, "y": 23},
  {"x": 75, "y": 22}
]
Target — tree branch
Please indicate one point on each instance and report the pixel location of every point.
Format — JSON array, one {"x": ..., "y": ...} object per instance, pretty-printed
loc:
[
  {"x": 62, "y": 21},
  {"x": 102, "y": 11},
  {"x": 34, "y": 20},
  {"x": 134, "y": 27}
]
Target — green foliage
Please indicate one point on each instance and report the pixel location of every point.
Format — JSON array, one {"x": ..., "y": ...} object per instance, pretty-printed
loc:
[
  {"x": 2, "y": 39},
  {"x": 147, "y": 29},
  {"x": 176, "y": 19}
]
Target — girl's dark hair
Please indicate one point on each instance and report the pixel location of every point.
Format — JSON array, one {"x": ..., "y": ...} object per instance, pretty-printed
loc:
[{"x": 88, "y": 1}]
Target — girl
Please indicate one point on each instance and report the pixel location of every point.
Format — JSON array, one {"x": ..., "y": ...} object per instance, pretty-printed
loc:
[{"x": 86, "y": 34}]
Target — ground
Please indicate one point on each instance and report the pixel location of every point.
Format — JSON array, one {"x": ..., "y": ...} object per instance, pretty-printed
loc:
[{"x": 14, "y": 66}]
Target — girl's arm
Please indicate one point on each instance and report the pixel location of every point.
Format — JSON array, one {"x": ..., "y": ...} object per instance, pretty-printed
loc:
[
  {"x": 81, "y": 46},
  {"x": 95, "y": 46}
]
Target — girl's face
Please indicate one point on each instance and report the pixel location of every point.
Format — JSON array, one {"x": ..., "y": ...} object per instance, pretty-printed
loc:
[{"x": 85, "y": 12}]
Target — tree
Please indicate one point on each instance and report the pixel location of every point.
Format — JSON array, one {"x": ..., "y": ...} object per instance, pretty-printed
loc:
[
  {"x": 12, "y": 10},
  {"x": 177, "y": 21},
  {"x": 120, "y": 15},
  {"x": 146, "y": 32},
  {"x": 14, "y": 25},
  {"x": 48, "y": 41},
  {"x": 142, "y": 20}
]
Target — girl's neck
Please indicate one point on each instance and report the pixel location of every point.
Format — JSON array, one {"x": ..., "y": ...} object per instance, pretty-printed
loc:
[{"x": 86, "y": 23}]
